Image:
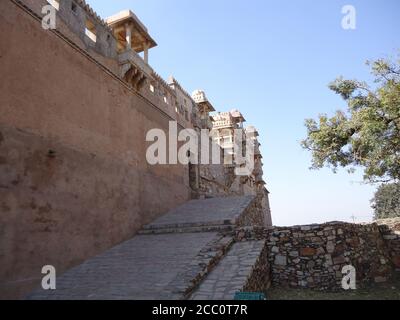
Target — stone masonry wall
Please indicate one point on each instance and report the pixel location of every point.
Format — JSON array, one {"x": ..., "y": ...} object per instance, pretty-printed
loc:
[
  {"x": 390, "y": 230},
  {"x": 313, "y": 256},
  {"x": 259, "y": 279},
  {"x": 254, "y": 214}
]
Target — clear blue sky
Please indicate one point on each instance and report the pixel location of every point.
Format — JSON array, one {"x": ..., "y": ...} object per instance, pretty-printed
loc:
[{"x": 273, "y": 60}]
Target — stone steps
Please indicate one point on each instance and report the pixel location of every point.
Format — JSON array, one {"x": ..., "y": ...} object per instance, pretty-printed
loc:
[
  {"x": 213, "y": 211},
  {"x": 168, "y": 259},
  {"x": 207, "y": 215},
  {"x": 187, "y": 229},
  {"x": 234, "y": 273},
  {"x": 147, "y": 267},
  {"x": 190, "y": 225}
]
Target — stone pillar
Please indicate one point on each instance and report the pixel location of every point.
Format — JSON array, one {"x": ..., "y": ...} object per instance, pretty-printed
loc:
[
  {"x": 146, "y": 53},
  {"x": 128, "y": 29}
]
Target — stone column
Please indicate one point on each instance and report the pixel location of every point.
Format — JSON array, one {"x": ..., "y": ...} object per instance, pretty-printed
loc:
[
  {"x": 146, "y": 53},
  {"x": 128, "y": 29}
]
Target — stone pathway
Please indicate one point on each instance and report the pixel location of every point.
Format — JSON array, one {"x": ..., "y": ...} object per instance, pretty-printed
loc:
[
  {"x": 198, "y": 213},
  {"x": 162, "y": 263},
  {"x": 138, "y": 269},
  {"x": 230, "y": 275}
]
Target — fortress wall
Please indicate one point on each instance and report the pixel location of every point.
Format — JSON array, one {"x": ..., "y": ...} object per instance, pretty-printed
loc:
[
  {"x": 74, "y": 180},
  {"x": 72, "y": 25}
]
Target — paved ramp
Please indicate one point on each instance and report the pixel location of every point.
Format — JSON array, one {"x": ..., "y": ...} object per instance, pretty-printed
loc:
[
  {"x": 203, "y": 213},
  {"x": 139, "y": 269},
  {"x": 157, "y": 265},
  {"x": 231, "y": 274}
]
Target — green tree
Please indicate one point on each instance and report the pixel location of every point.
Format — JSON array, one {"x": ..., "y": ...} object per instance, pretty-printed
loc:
[
  {"x": 367, "y": 134},
  {"x": 386, "y": 202}
]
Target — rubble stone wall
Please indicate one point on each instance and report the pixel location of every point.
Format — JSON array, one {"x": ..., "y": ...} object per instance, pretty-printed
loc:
[
  {"x": 314, "y": 256},
  {"x": 259, "y": 279},
  {"x": 390, "y": 230}
]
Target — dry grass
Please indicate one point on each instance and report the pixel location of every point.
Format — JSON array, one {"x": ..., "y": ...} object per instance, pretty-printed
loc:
[{"x": 384, "y": 291}]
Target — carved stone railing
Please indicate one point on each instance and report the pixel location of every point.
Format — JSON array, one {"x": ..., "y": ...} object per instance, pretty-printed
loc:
[
  {"x": 134, "y": 69},
  {"x": 135, "y": 58},
  {"x": 223, "y": 124}
]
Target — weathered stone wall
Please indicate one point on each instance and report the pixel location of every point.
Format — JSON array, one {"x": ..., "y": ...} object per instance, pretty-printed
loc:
[
  {"x": 267, "y": 209},
  {"x": 74, "y": 180},
  {"x": 254, "y": 214},
  {"x": 259, "y": 279},
  {"x": 390, "y": 230},
  {"x": 216, "y": 180},
  {"x": 313, "y": 256}
]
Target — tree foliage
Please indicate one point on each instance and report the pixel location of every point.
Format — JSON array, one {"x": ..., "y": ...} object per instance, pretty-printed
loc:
[
  {"x": 386, "y": 202},
  {"x": 367, "y": 134}
]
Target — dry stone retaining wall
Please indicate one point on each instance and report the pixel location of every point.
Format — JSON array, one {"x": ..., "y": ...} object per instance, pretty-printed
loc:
[
  {"x": 259, "y": 279},
  {"x": 390, "y": 230},
  {"x": 314, "y": 256}
]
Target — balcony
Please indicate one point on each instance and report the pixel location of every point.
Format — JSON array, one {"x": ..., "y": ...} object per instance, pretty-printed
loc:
[
  {"x": 218, "y": 124},
  {"x": 134, "y": 69},
  {"x": 132, "y": 38},
  {"x": 130, "y": 56}
]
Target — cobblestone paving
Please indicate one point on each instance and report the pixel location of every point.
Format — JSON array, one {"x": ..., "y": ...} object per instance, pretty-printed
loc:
[
  {"x": 137, "y": 269},
  {"x": 162, "y": 265},
  {"x": 210, "y": 211},
  {"x": 230, "y": 275}
]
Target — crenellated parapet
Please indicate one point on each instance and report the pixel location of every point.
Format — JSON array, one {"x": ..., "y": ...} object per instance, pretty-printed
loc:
[
  {"x": 184, "y": 105},
  {"x": 82, "y": 22},
  {"x": 121, "y": 43},
  {"x": 88, "y": 9},
  {"x": 161, "y": 88}
]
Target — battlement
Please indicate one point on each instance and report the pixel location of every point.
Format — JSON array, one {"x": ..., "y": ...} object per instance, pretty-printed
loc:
[{"x": 177, "y": 86}]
